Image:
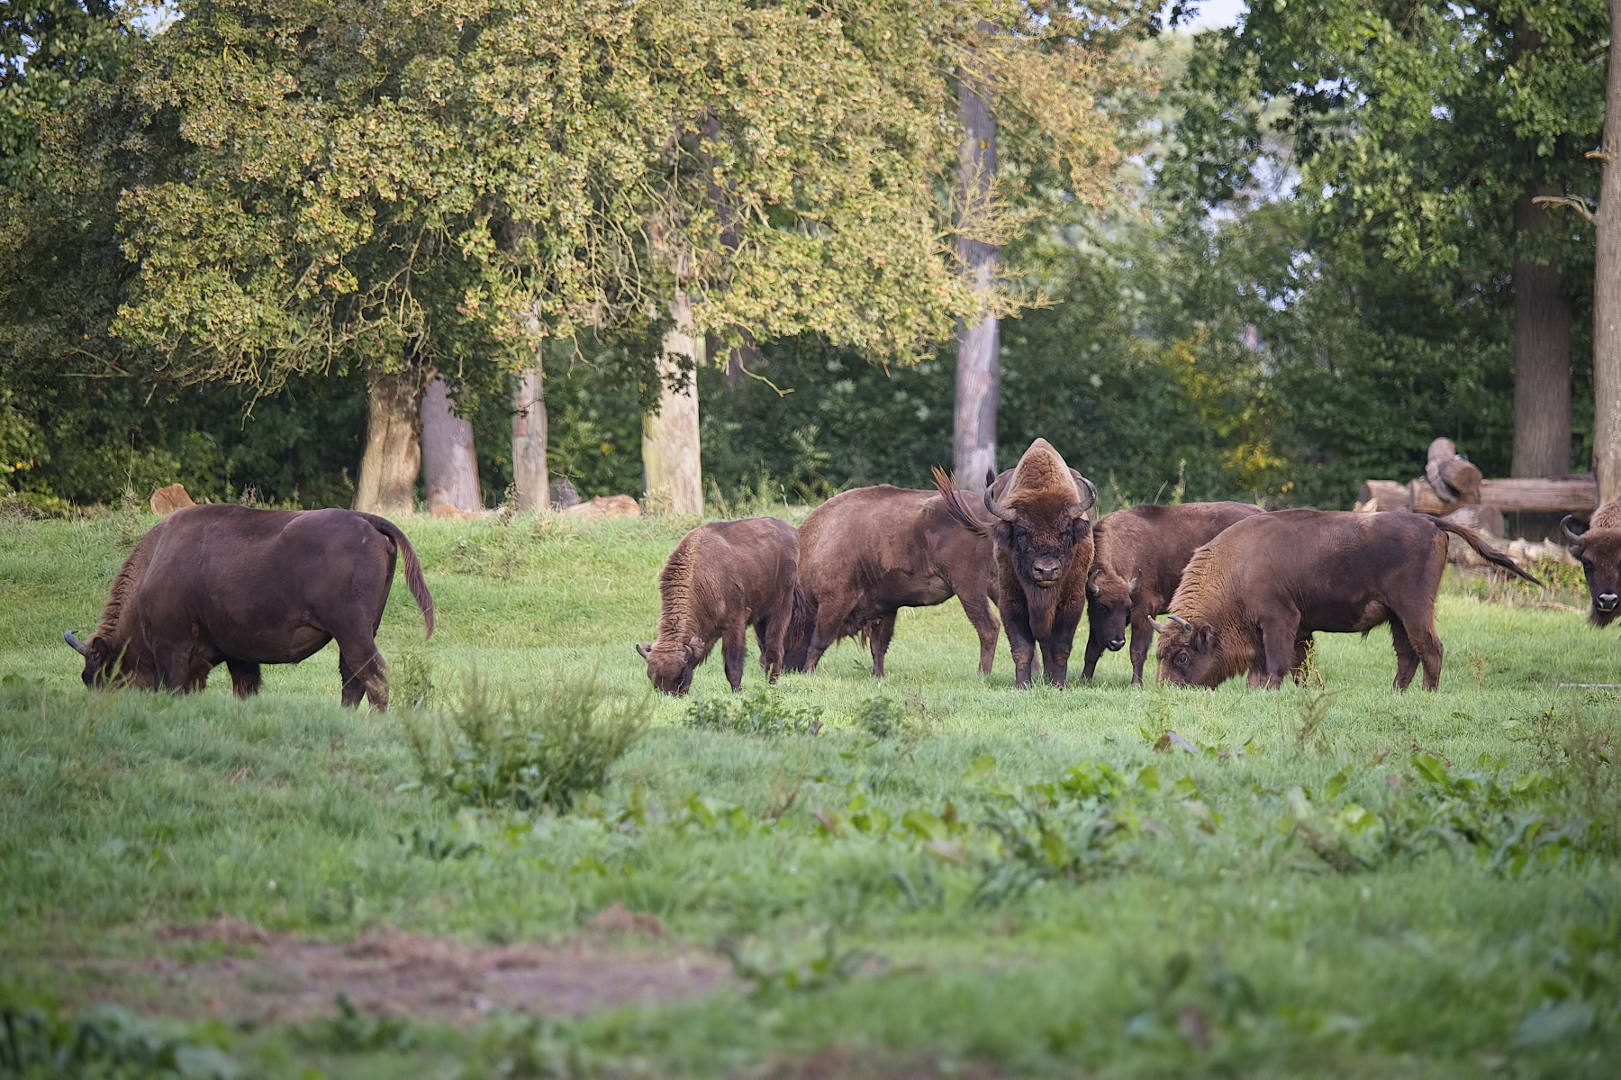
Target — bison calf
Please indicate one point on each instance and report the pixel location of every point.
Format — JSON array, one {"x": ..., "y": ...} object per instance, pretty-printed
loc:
[
  {"x": 227, "y": 584},
  {"x": 1251, "y": 598},
  {"x": 1599, "y": 551},
  {"x": 719, "y": 581},
  {"x": 868, "y": 552},
  {"x": 1137, "y": 565}
]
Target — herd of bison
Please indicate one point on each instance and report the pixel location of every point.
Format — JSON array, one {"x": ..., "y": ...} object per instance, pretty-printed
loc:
[{"x": 1242, "y": 590}]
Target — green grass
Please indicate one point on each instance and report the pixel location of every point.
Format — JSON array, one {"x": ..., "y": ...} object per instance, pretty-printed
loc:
[{"x": 1339, "y": 900}]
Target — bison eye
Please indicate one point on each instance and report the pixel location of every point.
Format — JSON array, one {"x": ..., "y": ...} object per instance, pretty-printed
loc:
[{"x": 1181, "y": 659}]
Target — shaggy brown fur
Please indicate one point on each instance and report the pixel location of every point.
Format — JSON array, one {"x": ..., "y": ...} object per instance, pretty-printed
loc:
[
  {"x": 866, "y": 553},
  {"x": 1251, "y": 598},
  {"x": 1043, "y": 551},
  {"x": 1599, "y": 551},
  {"x": 720, "y": 580},
  {"x": 227, "y": 584},
  {"x": 1137, "y": 565}
]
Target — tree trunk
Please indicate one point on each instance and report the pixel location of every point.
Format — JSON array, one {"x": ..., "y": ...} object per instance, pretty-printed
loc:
[
  {"x": 529, "y": 472},
  {"x": 979, "y": 367},
  {"x": 388, "y": 468},
  {"x": 1607, "y": 286},
  {"x": 672, "y": 471},
  {"x": 1542, "y": 319},
  {"x": 449, "y": 466}
]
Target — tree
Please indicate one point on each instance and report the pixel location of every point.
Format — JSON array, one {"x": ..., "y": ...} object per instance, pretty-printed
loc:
[
  {"x": 1607, "y": 285},
  {"x": 1430, "y": 131}
]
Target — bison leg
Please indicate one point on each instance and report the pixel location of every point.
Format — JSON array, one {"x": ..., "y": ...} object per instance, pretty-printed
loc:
[
  {"x": 1142, "y": 640},
  {"x": 1023, "y": 647},
  {"x": 1278, "y": 636},
  {"x": 978, "y": 610},
  {"x": 879, "y": 634},
  {"x": 734, "y": 646},
  {"x": 829, "y": 621},
  {"x": 1094, "y": 652},
  {"x": 362, "y": 669},
  {"x": 245, "y": 677},
  {"x": 1056, "y": 649}
]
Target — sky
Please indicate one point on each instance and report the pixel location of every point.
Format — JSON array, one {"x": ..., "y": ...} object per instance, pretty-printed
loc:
[{"x": 1213, "y": 13}]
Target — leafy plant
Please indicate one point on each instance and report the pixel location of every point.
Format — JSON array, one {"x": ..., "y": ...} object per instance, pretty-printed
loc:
[
  {"x": 881, "y": 717},
  {"x": 110, "y": 1041},
  {"x": 354, "y": 1032},
  {"x": 760, "y": 712},
  {"x": 497, "y": 750}
]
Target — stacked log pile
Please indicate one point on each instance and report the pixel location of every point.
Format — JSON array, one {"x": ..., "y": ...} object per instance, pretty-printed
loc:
[{"x": 1452, "y": 488}]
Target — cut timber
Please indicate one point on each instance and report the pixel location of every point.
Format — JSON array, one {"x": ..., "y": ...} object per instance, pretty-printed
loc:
[
  {"x": 1454, "y": 478},
  {"x": 1523, "y": 495},
  {"x": 1542, "y": 494},
  {"x": 166, "y": 500},
  {"x": 1481, "y": 518}
]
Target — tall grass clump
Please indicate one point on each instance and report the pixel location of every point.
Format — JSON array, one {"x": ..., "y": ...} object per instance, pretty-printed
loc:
[
  {"x": 495, "y": 749},
  {"x": 760, "y": 712}
]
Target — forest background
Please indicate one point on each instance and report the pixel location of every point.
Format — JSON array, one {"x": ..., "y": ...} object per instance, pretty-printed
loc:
[{"x": 1311, "y": 249}]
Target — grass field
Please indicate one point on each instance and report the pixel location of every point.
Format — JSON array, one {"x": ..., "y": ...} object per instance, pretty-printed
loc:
[{"x": 1329, "y": 880}]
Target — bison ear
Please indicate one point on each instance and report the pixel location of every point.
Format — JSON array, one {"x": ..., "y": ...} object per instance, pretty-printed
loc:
[
  {"x": 1131, "y": 586},
  {"x": 1203, "y": 638},
  {"x": 643, "y": 649},
  {"x": 1092, "y": 588}
]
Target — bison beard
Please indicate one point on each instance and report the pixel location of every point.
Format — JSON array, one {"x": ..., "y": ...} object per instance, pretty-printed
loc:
[
  {"x": 1599, "y": 551},
  {"x": 868, "y": 552},
  {"x": 1251, "y": 598},
  {"x": 1043, "y": 552},
  {"x": 720, "y": 580},
  {"x": 227, "y": 584}
]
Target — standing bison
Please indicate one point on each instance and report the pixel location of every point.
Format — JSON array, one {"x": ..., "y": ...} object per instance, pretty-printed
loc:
[
  {"x": 720, "y": 580},
  {"x": 1136, "y": 567},
  {"x": 1599, "y": 551},
  {"x": 1043, "y": 551},
  {"x": 227, "y": 584},
  {"x": 868, "y": 552},
  {"x": 1251, "y": 598}
]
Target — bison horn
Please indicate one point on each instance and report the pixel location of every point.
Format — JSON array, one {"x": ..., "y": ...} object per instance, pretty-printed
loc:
[
  {"x": 1180, "y": 621},
  {"x": 1565, "y": 525},
  {"x": 78, "y": 646},
  {"x": 996, "y": 509},
  {"x": 1090, "y": 501}
]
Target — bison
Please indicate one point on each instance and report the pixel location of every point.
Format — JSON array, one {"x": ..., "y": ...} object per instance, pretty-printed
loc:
[
  {"x": 1251, "y": 598},
  {"x": 720, "y": 580},
  {"x": 1136, "y": 566},
  {"x": 868, "y": 552},
  {"x": 1042, "y": 543},
  {"x": 219, "y": 583},
  {"x": 1599, "y": 551}
]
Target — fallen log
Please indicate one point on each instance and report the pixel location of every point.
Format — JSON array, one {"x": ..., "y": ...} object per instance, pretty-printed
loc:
[
  {"x": 1453, "y": 478},
  {"x": 1521, "y": 495}
]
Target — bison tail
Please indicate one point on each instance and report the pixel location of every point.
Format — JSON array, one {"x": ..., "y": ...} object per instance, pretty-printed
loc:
[
  {"x": 413, "y": 566},
  {"x": 796, "y": 643},
  {"x": 1485, "y": 550},
  {"x": 954, "y": 504}
]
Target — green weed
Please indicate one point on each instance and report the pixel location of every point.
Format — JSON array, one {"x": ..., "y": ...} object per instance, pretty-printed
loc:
[{"x": 761, "y": 711}]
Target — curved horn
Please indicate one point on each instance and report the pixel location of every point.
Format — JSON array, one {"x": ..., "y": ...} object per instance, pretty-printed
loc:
[
  {"x": 1180, "y": 621},
  {"x": 996, "y": 509},
  {"x": 1089, "y": 501},
  {"x": 1565, "y": 525},
  {"x": 78, "y": 646}
]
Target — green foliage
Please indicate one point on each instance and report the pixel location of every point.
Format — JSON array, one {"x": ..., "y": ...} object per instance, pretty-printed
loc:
[
  {"x": 108, "y": 1041},
  {"x": 881, "y": 717},
  {"x": 351, "y": 1031},
  {"x": 498, "y": 751},
  {"x": 761, "y": 711}
]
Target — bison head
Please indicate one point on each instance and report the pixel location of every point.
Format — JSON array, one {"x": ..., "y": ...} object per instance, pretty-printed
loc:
[
  {"x": 670, "y": 664},
  {"x": 1108, "y": 606},
  {"x": 1599, "y": 551},
  {"x": 1194, "y": 655},
  {"x": 107, "y": 664}
]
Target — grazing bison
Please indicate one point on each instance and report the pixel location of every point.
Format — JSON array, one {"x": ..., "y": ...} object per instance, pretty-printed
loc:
[
  {"x": 1043, "y": 551},
  {"x": 1251, "y": 598},
  {"x": 868, "y": 552},
  {"x": 1136, "y": 567},
  {"x": 218, "y": 583},
  {"x": 720, "y": 580},
  {"x": 1599, "y": 550}
]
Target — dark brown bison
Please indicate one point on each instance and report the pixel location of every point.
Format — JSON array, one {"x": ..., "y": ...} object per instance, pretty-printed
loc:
[
  {"x": 1136, "y": 566},
  {"x": 1251, "y": 598},
  {"x": 227, "y": 584},
  {"x": 720, "y": 580},
  {"x": 868, "y": 552},
  {"x": 1043, "y": 551},
  {"x": 1599, "y": 550}
]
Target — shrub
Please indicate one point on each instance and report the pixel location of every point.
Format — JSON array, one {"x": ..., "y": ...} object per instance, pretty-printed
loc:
[
  {"x": 497, "y": 750},
  {"x": 762, "y": 712},
  {"x": 881, "y": 717}
]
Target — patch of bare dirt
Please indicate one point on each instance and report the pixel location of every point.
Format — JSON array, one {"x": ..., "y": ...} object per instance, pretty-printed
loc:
[
  {"x": 842, "y": 1063},
  {"x": 271, "y": 977}
]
